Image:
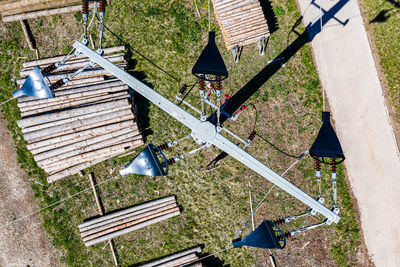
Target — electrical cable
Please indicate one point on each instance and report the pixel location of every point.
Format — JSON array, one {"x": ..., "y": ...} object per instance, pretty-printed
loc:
[
  {"x": 269, "y": 191},
  {"x": 57, "y": 202},
  {"x": 143, "y": 56},
  {"x": 170, "y": 116},
  {"x": 7, "y": 101}
]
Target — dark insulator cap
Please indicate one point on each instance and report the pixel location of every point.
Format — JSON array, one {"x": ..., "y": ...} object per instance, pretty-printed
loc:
[
  {"x": 267, "y": 235},
  {"x": 327, "y": 143},
  {"x": 210, "y": 60}
]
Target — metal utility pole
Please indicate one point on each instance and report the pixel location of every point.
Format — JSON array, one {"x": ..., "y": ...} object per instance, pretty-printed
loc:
[{"x": 205, "y": 133}]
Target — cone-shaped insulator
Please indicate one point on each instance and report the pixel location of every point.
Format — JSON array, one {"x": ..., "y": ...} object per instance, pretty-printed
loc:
[
  {"x": 35, "y": 86},
  {"x": 147, "y": 163},
  {"x": 265, "y": 236},
  {"x": 210, "y": 61},
  {"x": 327, "y": 143}
]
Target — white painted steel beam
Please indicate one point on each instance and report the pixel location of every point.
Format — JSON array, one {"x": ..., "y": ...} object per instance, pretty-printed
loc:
[{"x": 206, "y": 132}]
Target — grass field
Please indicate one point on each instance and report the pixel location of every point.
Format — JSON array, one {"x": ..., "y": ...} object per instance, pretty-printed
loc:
[
  {"x": 384, "y": 20},
  {"x": 215, "y": 203}
]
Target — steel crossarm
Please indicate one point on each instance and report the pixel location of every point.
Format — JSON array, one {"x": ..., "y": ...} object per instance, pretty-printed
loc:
[{"x": 205, "y": 132}]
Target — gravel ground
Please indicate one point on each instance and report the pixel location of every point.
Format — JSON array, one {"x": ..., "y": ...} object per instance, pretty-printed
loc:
[{"x": 23, "y": 243}]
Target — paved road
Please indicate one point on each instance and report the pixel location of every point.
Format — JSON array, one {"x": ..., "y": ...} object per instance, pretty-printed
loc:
[
  {"x": 363, "y": 125},
  {"x": 25, "y": 242}
]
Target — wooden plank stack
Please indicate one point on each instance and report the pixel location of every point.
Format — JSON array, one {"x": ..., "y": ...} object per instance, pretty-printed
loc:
[
  {"x": 242, "y": 22},
  {"x": 183, "y": 258},
  {"x": 14, "y": 10},
  {"x": 89, "y": 120},
  {"x": 127, "y": 220}
]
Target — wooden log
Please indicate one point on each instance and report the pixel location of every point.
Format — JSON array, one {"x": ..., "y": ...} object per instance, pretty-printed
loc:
[
  {"x": 92, "y": 72},
  {"x": 90, "y": 87},
  {"x": 172, "y": 257},
  {"x": 129, "y": 219},
  {"x": 70, "y": 85},
  {"x": 105, "y": 155},
  {"x": 56, "y": 101},
  {"x": 129, "y": 224},
  {"x": 75, "y": 160},
  {"x": 97, "y": 99},
  {"x": 170, "y": 204},
  {"x": 113, "y": 253},
  {"x": 75, "y": 169},
  {"x": 26, "y": 122},
  {"x": 96, "y": 197},
  {"x": 240, "y": 24},
  {"x": 58, "y": 151},
  {"x": 69, "y": 66},
  {"x": 85, "y": 80},
  {"x": 226, "y": 21},
  {"x": 42, "y": 13},
  {"x": 28, "y": 34},
  {"x": 183, "y": 261},
  {"x": 237, "y": 6},
  {"x": 75, "y": 93},
  {"x": 131, "y": 228},
  {"x": 138, "y": 207},
  {"x": 50, "y": 60},
  {"x": 78, "y": 126},
  {"x": 64, "y": 140},
  {"x": 74, "y": 119},
  {"x": 67, "y": 139},
  {"x": 24, "y": 3},
  {"x": 130, "y": 136},
  {"x": 38, "y": 6}
]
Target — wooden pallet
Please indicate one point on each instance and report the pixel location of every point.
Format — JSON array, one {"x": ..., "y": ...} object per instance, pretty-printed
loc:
[{"x": 242, "y": 22}]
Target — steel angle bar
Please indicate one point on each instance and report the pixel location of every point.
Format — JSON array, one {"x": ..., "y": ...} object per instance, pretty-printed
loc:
[{"x": 206, "y": 133}]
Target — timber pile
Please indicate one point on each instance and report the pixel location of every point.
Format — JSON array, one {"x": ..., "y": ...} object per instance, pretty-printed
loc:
[
  {"x": 178, "y": 259},
  {"x": 242, "y": 22},
  {"x": 89, "y": 120},
  {"x": 14, "y": 10},
  {"x": 127, "y": 220}
]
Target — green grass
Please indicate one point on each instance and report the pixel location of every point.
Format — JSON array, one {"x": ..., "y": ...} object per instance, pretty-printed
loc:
[
  {"x": 386, "y": 38},
  {"x": 215, "y": 203}
]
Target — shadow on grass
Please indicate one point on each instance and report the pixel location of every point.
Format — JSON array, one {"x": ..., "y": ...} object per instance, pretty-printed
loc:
[
  {"x": 208, "y": 260},
  {"x": 385, "y": 14},
  {"x": 252, "y": 86},
  {"x": 140, "y": 104},
  {"x": 269, "y": 16}
]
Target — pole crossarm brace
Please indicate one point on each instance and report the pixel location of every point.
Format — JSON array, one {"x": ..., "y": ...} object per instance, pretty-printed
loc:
[{"x": 206, "y": 133}]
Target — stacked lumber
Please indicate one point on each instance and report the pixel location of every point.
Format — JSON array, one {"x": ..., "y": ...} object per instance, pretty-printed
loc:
[
  {"x": 127, "y": 220},
  {"x": 89, "y": 120},
  {"x": 178, "y": 259},
  {"x": 30, "y": 9},
  {"x": 242, "y": 22}
]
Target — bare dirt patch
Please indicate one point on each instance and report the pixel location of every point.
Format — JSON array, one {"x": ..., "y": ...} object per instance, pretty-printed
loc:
[{"x": 25, "y": 242}]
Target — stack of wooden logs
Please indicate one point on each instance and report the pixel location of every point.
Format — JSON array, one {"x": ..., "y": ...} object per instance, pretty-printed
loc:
[
  {"x": 183, "y": 258},
  {"x": 127, "y": 220},
  {"x": 14, "y": 10},
  {"x": 89, "y": 120},
  {"x": 242, "y": 22}
]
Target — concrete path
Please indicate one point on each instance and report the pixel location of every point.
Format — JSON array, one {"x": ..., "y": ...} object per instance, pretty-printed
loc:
[{"x": 363, "y": 125}]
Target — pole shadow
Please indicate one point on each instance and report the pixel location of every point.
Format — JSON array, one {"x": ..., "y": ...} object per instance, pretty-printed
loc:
[{"x": 252, "y": 86}]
